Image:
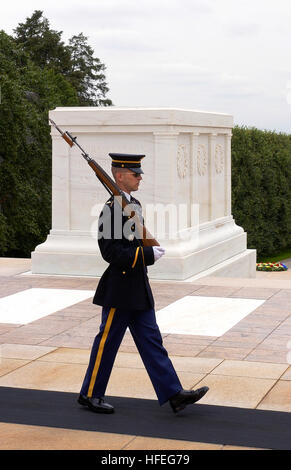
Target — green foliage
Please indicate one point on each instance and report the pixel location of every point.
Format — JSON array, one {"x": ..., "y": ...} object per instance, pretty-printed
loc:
[
  {"x": 281, "y": 256},
  {"x": 27, "y": 92},
  {"x": 37, "y": 73},
  {"x": 43, "y": 44},
  {"x": 261, "y": 188},
  {"x": 85, "y": 72},
  {"x": 75, "y": 61}
]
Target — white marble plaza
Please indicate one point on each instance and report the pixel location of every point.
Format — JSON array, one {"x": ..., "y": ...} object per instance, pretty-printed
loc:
[
  {"x": 191, "y": 315},
  {"x": 31, "y": 304},
  {"x": 204, "y": 316}
]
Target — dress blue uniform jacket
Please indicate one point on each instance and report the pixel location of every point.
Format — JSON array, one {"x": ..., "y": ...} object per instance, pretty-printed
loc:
[
  {"x": 126, "y": 297},
  {"x": 125, "y": 282}
]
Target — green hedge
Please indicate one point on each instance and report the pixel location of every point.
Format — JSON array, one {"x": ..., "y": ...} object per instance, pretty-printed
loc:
[{"x": 261, "y": 188}]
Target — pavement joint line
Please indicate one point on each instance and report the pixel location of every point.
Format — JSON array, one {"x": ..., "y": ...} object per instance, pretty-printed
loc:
[
  {"x": 266, "y": 337},
  {"x": 279, "y": 379},
  {"x": 128, "y": 443},
  {"x": 247, "y": 376},
  {"x": 260, "y": 401},
  {"x": 28, "y": 361},
  {"x": 203, "y": 350},
  {"x": 222, "y": 360},
  {"x": 16, "y": 368}
]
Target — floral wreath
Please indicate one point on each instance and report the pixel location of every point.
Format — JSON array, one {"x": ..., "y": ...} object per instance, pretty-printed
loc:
[{"x": 271, "y": 267}]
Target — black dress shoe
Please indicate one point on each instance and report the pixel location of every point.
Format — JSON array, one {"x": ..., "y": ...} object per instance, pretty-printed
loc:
[
  {"x": 186, "y": 397},
  {"x": 98, "y": 405}
]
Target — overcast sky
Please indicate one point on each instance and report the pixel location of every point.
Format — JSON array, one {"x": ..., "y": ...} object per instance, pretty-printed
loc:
[{"x": 226, "y": 56}]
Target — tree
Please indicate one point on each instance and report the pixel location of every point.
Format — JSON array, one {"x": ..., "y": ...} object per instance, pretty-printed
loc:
[
  {"x": 75, "y": 61},
  {"x": 86, "y": 73},
  {"x": 38, "y": 72},
  {"x": 43, "y": 44},
  {"x": 27, "y": 92}
]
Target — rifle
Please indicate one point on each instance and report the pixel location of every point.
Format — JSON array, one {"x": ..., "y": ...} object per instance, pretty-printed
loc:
[{"x": 111, "y": 187}]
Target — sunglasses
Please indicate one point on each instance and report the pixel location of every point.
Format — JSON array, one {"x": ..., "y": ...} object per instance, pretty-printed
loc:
[{"x": 136, "y": 175}]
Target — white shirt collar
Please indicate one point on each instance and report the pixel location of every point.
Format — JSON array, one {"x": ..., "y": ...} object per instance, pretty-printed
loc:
[{"x": 127, "y": 195}]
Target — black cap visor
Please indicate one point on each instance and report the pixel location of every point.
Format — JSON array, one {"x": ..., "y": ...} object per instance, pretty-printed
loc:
[{"x": 136, "y": 170}]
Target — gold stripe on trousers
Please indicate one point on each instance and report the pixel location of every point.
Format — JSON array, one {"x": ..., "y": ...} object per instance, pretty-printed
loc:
[{"x": 100, "y": 351}]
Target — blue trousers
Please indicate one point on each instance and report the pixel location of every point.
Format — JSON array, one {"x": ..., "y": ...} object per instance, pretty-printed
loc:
[{"x": 147, "y": 337}]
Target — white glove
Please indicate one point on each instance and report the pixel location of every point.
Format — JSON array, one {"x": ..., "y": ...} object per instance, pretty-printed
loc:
[{"x": 158, "y": 252}]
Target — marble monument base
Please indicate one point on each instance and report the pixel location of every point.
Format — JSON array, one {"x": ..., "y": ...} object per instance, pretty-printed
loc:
[{"x": 216, "y": 250}]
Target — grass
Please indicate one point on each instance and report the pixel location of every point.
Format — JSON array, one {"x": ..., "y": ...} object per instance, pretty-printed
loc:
[{"x": 278, "y": 257}]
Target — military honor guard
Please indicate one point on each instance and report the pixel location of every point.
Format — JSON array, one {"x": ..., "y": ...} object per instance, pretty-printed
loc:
[{"x": 125, "y": 294}]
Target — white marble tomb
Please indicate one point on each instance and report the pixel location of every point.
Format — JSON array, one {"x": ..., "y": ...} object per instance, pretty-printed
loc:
[{"x": 185, "y": 192}]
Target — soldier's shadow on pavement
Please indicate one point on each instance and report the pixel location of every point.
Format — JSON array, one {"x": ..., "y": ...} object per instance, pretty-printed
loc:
[{"x": 197, "y": 423}]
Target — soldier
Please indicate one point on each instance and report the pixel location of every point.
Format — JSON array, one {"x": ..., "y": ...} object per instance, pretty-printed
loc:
[{"x": 126, "y": 297}]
